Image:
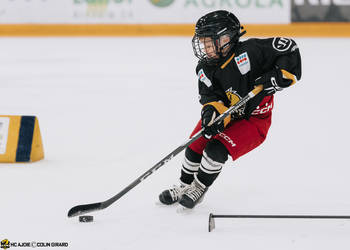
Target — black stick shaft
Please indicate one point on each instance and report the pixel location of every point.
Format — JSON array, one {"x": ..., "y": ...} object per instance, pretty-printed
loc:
[
  {"x": 150, "y": 171},
  {"x": 284, "y": 216},
  {"x": 83, "y": 209},
  {"x": 167, "y": 158}
]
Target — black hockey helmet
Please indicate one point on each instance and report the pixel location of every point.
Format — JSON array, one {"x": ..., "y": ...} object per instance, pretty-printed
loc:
[{"x": 216, "y": 33}]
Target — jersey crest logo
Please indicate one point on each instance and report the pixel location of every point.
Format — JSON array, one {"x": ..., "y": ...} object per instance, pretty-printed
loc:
[
  {"x": 234, "y": 97},
  {"x": 203, "y": 78},
  {"x": 243, "y": 63},
  {"x": 281, "y": 44}
]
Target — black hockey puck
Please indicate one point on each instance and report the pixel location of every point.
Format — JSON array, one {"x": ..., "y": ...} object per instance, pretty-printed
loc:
[{"x": 86, "y": 218}]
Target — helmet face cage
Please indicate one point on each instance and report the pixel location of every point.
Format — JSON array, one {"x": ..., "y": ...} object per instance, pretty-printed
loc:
[
  {"x": 199, "y": 48},
  {"x": 211, "y": 48},
  {"x": 215, "y": 35}
]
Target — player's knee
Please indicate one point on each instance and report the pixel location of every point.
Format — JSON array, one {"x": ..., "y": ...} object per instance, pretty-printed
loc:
[
  {"x": 192, "y": 156},
  {"x": 216, "y": 151}
]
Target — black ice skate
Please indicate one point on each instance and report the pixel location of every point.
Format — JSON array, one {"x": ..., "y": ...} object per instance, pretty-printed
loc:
[
  {"x": 193, "y": 195},
  {"x": 172, "y": 195}
]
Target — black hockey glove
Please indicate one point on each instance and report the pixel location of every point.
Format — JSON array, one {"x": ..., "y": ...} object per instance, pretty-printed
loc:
[
  {"x": 210, "y": 112},
  {"x": 275, "y": 80}
]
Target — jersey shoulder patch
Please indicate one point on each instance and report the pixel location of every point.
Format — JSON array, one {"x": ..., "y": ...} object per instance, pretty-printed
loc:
[
  {"x": 243, "y": 63},
  {"x": 203, "y": 78},
  {"x": 281, "y": 43}
]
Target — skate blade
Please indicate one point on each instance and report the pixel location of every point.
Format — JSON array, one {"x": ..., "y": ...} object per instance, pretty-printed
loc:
[
  {"x": 184, "y": 210},
  {"x": 158, "y": 203}
]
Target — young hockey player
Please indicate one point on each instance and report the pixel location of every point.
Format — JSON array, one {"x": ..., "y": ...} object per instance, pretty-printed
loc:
[{"x": 227, "y": 70}]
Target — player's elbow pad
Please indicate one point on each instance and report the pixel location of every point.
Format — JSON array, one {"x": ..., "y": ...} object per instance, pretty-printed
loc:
[{"x": 287, "y": 79}]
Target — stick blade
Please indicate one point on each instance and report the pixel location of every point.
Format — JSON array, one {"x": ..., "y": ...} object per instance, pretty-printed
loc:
[
  {"x": 211, "y": 224},
  {"x": 84, "y": 209}
]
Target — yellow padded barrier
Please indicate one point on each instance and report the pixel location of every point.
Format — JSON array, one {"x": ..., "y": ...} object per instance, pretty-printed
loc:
[
  {"x": 20, "y": 139},
  {"x": 255, "y": 30}
]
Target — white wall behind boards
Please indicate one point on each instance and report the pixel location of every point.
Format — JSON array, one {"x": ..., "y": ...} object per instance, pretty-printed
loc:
[{"x": 136, "y": 11}]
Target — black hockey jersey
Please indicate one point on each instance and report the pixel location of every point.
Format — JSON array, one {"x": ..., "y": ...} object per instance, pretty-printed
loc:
[{"x": 234, "y": 76}]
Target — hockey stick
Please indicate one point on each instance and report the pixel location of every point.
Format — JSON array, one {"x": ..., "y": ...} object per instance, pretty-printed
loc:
[
  {"x": 211, "y": 225},
  {"x": 87, "y": 208}
]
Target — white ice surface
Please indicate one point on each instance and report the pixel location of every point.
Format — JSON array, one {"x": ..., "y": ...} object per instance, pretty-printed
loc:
[{"x": 110, "y": 108}]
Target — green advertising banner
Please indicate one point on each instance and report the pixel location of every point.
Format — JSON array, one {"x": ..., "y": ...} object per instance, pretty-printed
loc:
[{"x": 140, "y": 12}]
